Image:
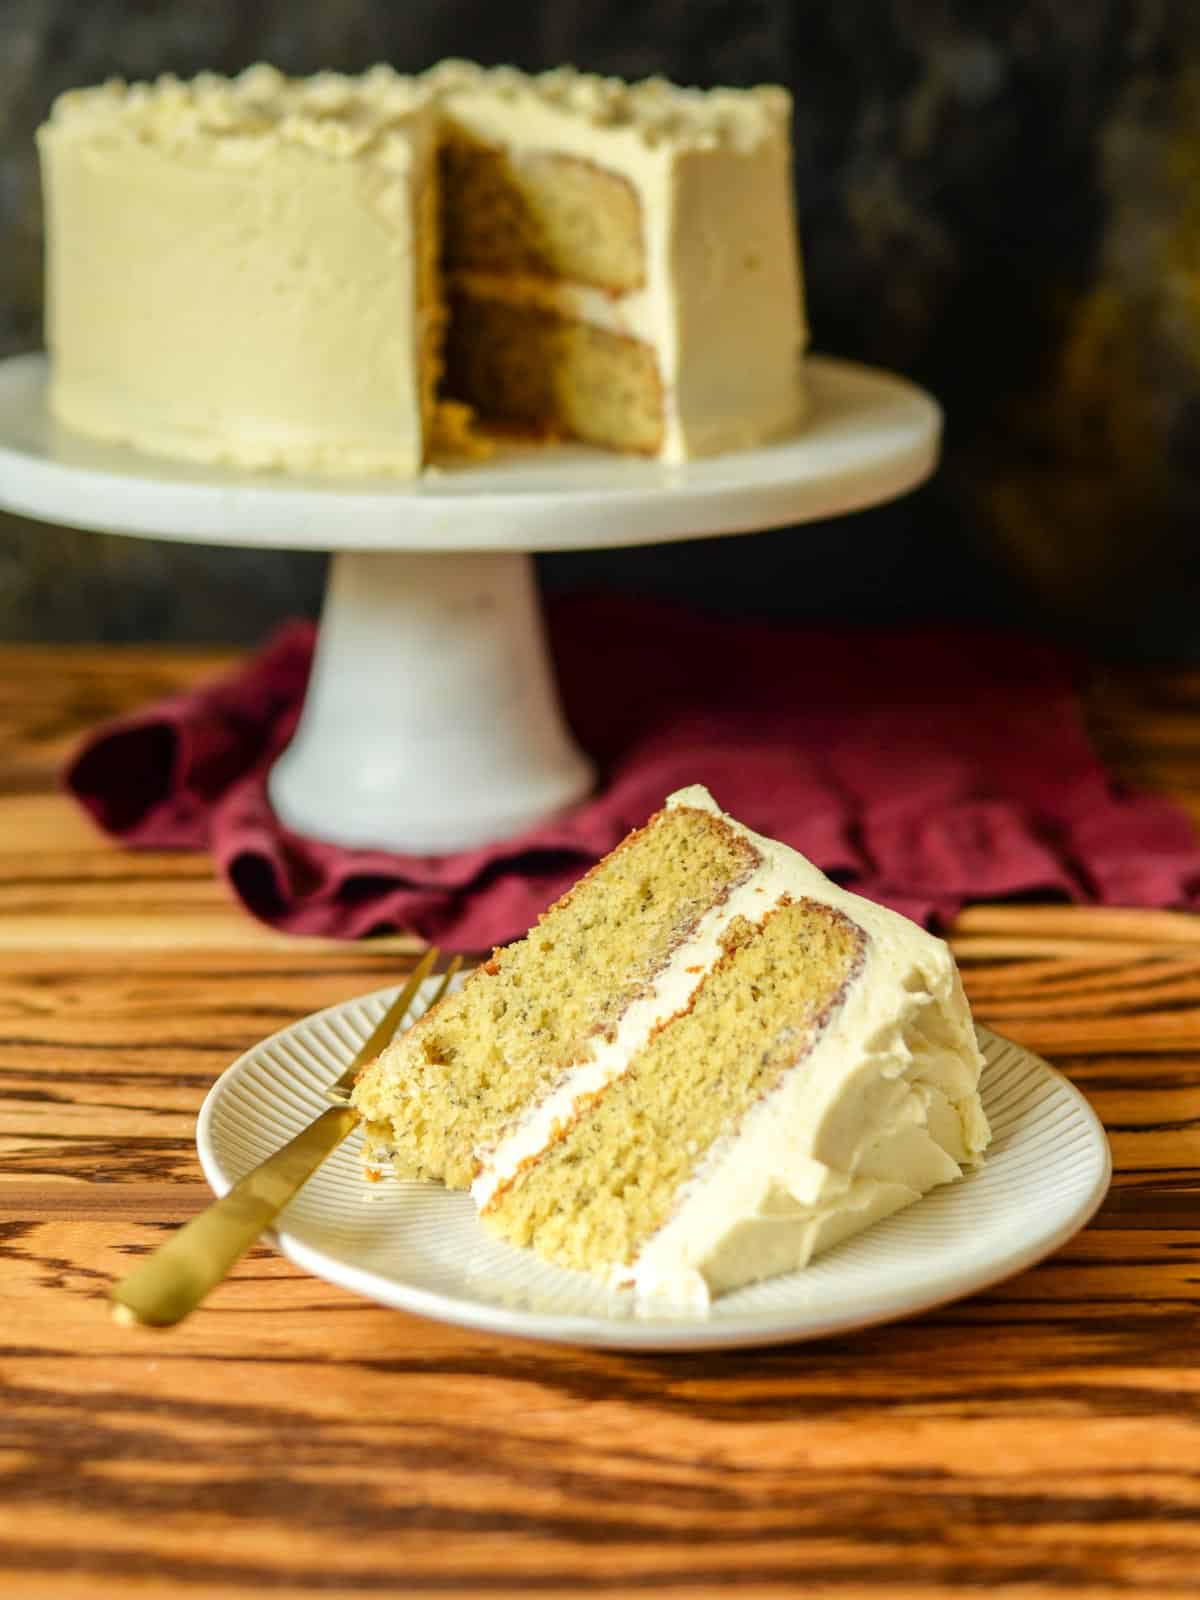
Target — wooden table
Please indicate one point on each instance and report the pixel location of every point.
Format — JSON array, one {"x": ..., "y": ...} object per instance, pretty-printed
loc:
[{"x": 1041, "y": 1438}]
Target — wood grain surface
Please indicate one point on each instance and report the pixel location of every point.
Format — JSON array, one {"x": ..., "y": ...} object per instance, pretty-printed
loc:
[{"x": 1040, "y": 1439}]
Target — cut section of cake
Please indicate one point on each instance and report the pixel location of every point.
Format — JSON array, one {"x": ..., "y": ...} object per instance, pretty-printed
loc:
[
  {"x": 622, "y": 260},
  {"x": 320, "y": 274},
  {"x": 706, "y": 1064}
]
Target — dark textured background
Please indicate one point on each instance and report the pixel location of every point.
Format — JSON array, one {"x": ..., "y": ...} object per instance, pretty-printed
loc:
[{"x": 1000, "y": 199}]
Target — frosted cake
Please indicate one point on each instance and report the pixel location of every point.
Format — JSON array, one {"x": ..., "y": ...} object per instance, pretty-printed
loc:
[
  {"x": 703, "y": 1066},
  {"x": 329, "y": 274}
]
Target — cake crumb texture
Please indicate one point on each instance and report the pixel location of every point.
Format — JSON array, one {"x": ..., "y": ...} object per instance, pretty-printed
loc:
[
  {"x": 450, "y": 1087},
  {"x": 613, "y": 1178},
  {"x": 538, "y": 212},
  {"x": 521, "y": 366}
]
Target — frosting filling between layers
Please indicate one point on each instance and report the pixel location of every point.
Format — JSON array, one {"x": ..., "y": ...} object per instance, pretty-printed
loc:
[{"x": 631, "y": 315}]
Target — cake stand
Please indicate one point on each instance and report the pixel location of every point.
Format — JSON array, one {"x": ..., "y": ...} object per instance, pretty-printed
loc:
[{"x": 432, "y": 721}]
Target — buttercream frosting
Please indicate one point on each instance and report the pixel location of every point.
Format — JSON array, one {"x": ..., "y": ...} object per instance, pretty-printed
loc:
[{"x": 235, "y": 269}]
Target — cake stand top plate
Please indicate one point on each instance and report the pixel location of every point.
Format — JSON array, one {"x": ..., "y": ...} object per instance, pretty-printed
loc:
[{"x": 870, "y": 436}]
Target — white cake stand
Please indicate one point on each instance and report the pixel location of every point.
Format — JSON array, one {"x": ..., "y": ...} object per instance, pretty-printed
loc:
[{"x": 432, "y": 721}]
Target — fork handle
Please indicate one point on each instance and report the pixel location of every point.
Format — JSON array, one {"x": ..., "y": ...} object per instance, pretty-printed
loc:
[{"x": 174, "y": 1280}]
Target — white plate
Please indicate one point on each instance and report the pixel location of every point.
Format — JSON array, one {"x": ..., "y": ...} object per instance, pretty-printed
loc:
[{"x": 421, "y": 1249}]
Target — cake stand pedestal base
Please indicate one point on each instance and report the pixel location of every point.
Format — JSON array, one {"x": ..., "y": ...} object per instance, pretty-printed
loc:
[{"x": 432, "y": 722}]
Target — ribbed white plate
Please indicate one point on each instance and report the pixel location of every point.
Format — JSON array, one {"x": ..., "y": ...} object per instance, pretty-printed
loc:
[{"x": 420, "y": 1248}]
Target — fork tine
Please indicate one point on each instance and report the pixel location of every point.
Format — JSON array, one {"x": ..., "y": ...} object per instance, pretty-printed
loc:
[
  {"x": 384, "y": 1030},
  {"x": 445, "y": 983}
]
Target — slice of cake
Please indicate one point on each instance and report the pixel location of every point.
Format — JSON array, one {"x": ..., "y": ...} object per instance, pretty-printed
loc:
[
  {"x": 704, "y": 1065},
  {"x": 293, "y": 273}
]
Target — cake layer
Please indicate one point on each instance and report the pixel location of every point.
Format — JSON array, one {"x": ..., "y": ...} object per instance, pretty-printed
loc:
[
  {"x": 540, "y": 213},
  {"x": 524, "y": 366},
  {"x": 439, "y": 1098},
  {"x": 611, "y": 1179}
]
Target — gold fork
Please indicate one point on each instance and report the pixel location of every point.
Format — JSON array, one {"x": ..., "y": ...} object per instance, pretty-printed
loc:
[{"x": 174, "y": 1280}]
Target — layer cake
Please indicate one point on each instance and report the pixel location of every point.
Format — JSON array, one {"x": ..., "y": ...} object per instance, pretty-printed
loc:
[
  {"x": 706, "y": 1064},
  {"x": 318, "y": 274}
]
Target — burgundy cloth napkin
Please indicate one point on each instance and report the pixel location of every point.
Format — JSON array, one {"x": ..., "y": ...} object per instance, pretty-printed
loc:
[{"x": 923, "y": 768}]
